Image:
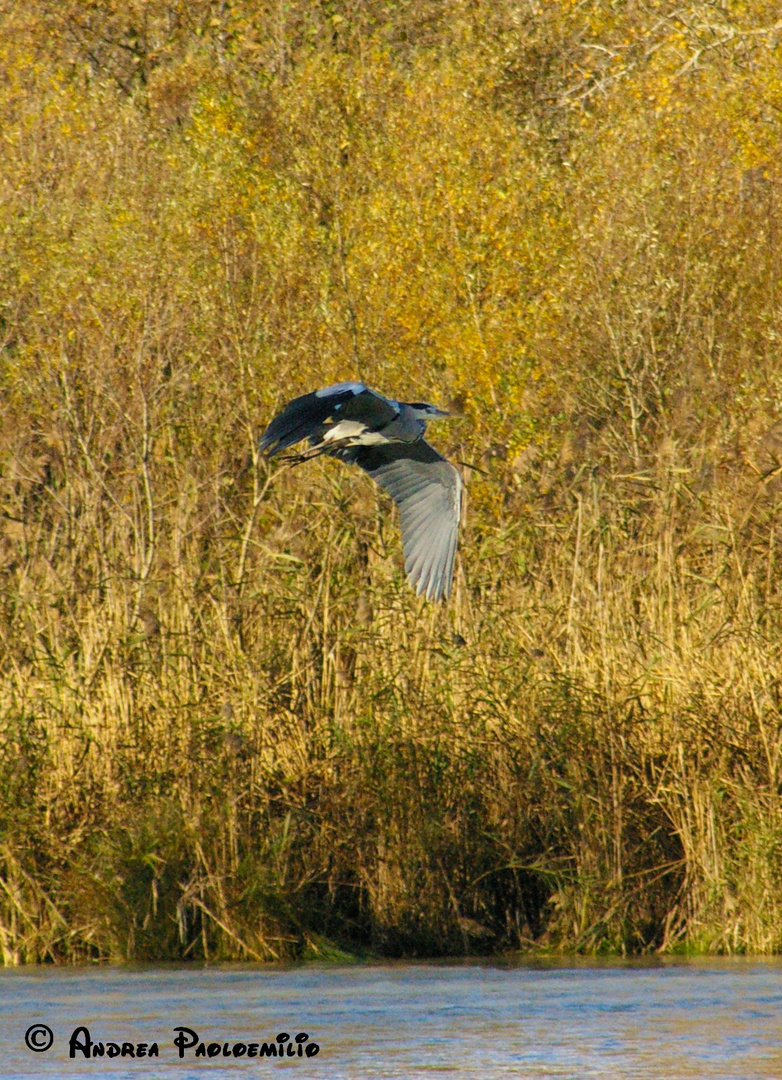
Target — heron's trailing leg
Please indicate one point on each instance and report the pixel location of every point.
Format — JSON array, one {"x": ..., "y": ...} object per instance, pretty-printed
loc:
[
  {"x": 317, "y": 451},
  {"x": 307, "y": 455}
]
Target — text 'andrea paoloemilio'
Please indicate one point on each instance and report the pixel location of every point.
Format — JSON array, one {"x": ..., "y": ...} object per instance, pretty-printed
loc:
[{"x": 189, "y": 1044}]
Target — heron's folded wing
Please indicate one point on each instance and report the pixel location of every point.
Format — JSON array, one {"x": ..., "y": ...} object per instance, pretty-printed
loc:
[
  {"x": 306, "y": 415},
  {"x": 428, "y": 491}
]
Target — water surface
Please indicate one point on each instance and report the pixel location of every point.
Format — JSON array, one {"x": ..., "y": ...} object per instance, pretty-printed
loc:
[{"x": 662, "y": 1022}]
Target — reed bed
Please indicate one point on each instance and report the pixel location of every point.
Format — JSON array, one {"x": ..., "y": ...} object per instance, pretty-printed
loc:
[{"x": 229, "y": 729}]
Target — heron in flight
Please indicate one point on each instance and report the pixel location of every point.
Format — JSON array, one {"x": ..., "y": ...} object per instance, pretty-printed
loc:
[{"x": 386, "y": 439}]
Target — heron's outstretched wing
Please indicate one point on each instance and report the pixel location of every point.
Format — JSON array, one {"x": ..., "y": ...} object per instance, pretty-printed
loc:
[
  {"x": 306, "y": 416},
  {"x": 428, "y": 491}
]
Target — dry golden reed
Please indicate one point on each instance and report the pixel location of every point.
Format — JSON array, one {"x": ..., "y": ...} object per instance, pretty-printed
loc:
[{"x": 228, "y": 728}]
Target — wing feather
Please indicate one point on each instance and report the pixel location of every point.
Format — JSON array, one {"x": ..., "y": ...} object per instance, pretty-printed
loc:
[
  {"x": 305, "y": 416},
  {"x": 427, "y": 489}
]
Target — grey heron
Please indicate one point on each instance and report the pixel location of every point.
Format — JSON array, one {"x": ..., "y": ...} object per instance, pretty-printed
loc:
[{"x": 386, "y": 439}]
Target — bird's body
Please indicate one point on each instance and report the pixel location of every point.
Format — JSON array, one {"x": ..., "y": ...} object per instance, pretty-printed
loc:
[{"x": 386, "y": 439}]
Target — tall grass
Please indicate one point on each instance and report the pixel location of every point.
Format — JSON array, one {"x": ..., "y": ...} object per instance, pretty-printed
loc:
[{"x": 229, "y": 729}]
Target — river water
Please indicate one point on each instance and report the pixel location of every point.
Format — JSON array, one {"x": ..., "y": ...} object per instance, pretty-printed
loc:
[{"x": 662, "y": 1022}]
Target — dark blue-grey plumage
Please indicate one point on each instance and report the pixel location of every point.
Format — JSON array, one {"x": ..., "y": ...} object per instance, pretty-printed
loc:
[
  {"x": 385, "y": 439},
  {"x": 305, "y": 416}
]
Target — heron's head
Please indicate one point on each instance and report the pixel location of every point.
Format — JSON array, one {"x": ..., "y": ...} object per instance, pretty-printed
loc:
[{"x": 424, "y": 411}]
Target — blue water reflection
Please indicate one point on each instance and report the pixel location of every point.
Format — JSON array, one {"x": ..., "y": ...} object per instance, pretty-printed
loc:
[{"x": 695, "y": 1019}]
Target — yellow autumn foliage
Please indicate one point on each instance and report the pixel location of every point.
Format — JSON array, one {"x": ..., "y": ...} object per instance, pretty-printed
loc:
[{"x": 228, "y": 728}]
